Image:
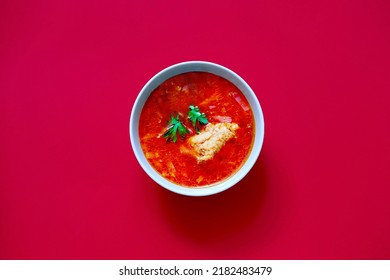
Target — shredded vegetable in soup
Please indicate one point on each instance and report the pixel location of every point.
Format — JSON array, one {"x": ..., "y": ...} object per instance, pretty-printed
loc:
[{"x": 196, "y": 129}]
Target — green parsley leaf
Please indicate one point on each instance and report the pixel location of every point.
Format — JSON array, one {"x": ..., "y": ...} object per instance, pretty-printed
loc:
[
  {"x": 195, "y": 116},
  {"x": 175, "y": 126}
]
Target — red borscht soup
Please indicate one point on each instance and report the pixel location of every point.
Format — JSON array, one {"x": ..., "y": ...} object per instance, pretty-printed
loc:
[{"x": 196, "y": 129}]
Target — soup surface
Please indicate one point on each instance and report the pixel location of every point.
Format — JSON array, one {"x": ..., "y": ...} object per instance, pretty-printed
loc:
[{"x": 196, "y": 129}]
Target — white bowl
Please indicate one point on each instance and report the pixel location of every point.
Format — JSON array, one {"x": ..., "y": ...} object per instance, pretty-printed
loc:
[{"x": 197, "y": 66}]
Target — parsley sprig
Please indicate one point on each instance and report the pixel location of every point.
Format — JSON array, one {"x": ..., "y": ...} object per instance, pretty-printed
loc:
[
  {"x": 196, "y": 117},
  {"x": 175, "y": 126}
]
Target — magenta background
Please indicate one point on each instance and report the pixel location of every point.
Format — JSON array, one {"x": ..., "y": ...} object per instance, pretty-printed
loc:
[{"x": 71, "y": 188}]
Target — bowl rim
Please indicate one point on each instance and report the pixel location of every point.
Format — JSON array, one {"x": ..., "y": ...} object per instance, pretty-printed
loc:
[{"x": 197, "y": 66}]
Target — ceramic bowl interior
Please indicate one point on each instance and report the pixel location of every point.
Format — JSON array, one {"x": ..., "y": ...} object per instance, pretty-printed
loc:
[{"x": 197, "y": 66}]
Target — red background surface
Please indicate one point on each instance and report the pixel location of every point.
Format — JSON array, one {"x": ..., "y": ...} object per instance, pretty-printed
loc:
[{"x": 71, "y": 188}]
